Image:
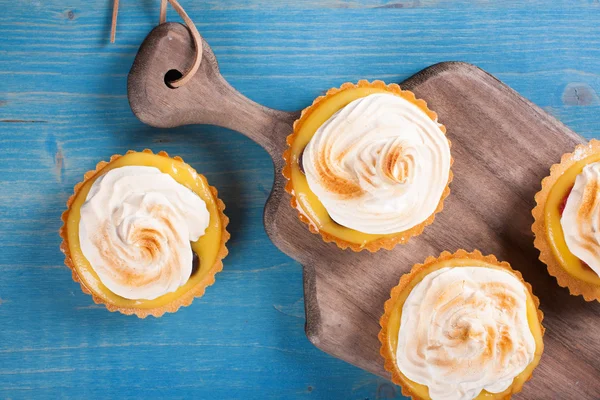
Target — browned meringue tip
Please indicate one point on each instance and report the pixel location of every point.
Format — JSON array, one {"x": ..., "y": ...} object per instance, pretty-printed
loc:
[
  {"x": 387, "y": 353},
  {"x": 576, "y": 287},
  {"x": 185, "y": 299},
  {"x": 387, "y": 242}
]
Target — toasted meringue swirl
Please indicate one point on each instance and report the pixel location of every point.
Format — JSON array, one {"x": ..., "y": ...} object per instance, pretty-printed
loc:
[
  {"x": 581, "y": 217},
  {"x": 379, "y": 165},
  {"x": 135, "y": 231},
  {"x": 463, "y": 330}
]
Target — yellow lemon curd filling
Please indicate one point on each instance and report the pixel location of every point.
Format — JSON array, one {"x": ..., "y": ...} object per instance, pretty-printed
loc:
[
  {"x": 206, "y": 247},
  {"x": 554, "y": 232},
  {"x": 396, "y": 316}
]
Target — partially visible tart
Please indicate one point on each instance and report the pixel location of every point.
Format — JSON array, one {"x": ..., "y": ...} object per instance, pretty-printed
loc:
[
  {"x": 461, "y": 326},
  {"x": 368, "y": 166},
  {"x": 567, "y": 221},
  {"x": 144, "y": 233}
]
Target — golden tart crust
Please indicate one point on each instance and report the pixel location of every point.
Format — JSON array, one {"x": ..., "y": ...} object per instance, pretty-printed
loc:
[
  {"x": 390, "y": 321},
  {"x": 210, "y": 248},
  {"x": 568, "y": 270},
  {"x": 306, "y": 202}
]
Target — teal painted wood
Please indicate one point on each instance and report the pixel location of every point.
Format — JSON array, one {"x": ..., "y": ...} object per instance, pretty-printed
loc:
[{"x": 63, "y": 107}]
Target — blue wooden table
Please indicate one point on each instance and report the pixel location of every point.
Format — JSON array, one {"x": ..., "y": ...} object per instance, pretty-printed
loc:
[{"x": 63, "y": 107}]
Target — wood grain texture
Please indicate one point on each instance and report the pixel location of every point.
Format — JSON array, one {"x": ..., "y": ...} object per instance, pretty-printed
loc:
[
  {"x": 66, "y": 89},
  {"x": 502, "y": 145}
]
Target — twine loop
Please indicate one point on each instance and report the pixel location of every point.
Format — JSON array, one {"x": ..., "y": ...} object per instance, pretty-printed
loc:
[{"x": 189, "y": 74}]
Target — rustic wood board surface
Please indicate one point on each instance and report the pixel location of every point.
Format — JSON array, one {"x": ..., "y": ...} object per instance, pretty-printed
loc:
[
  {"x": 502, "y": 147},
  {"x": 63, "y": 107}
]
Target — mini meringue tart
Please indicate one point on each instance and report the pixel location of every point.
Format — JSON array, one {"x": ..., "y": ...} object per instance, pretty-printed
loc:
[
  {"x": 368, "y": 166},
  {"x": 567, "y": 218},
  {"x": 461, "y": 326},
  {"x": 144, "y": 233}
]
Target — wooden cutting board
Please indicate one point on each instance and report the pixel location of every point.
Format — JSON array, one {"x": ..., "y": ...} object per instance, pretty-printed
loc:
[{"x": 502, "y": 145}]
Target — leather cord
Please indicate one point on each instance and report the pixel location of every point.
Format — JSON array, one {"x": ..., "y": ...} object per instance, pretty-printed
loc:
[{"x": 187, "y": 75}]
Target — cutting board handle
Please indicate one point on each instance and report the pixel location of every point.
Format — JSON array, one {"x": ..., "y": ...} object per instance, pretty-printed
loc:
[{"x": 206, "y": 99}]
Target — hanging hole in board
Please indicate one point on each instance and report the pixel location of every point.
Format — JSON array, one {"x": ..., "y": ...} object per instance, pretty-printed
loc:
[{"x": 171, "y": 76}]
